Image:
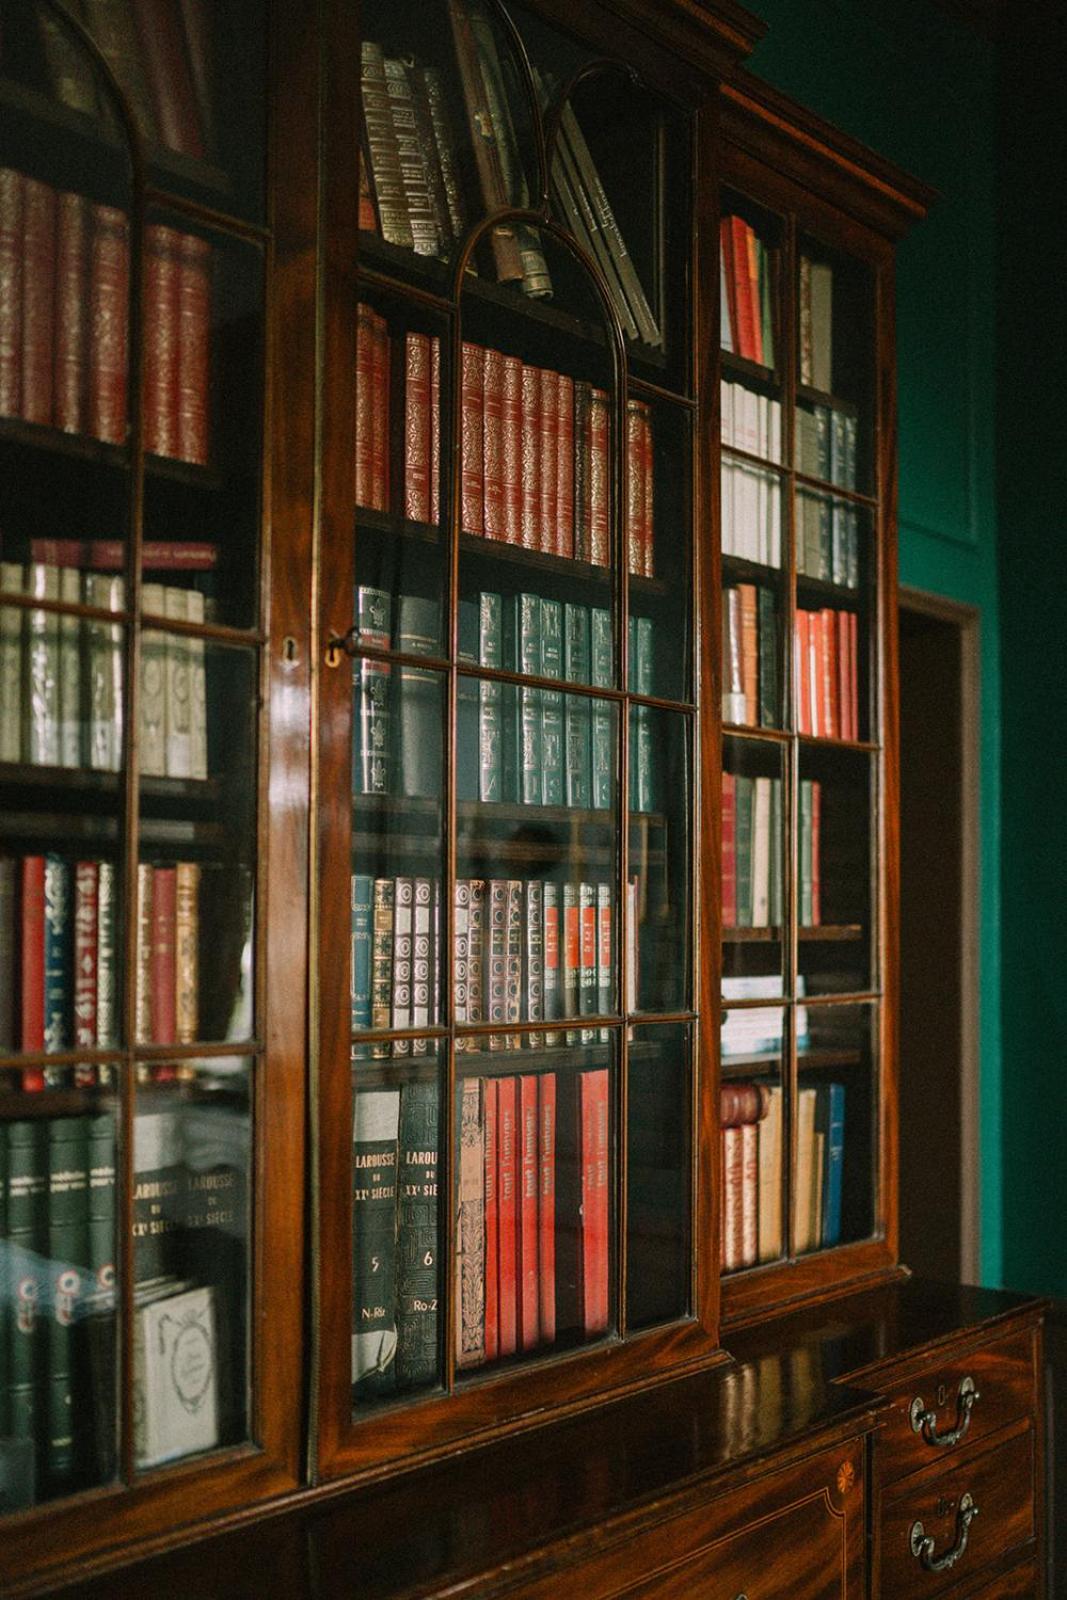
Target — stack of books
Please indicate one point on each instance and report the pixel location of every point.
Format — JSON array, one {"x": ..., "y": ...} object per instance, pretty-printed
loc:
[
  {"x": 826, "y": 673},
  {"x": 750, "y": 1115},
  {"x": 747, "y": 291},
  {"x": 750, "y": 656},
  {"x": 752, "y": 889}
]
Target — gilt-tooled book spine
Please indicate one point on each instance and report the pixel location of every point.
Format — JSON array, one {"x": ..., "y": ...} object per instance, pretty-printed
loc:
[
  {"x": 729, "y": 852},
  {"x": 571, "y": 955},
  {"x": 496, "y": 960},
  {"x": 593, "y": 1122},
  {"x": 602, "y": 662},
  {"x": 648, "y": 527},
  {"x": 604, "y": 949},
  {"x": 749, "y": 1194},
  {"x": 41, "y": 703},
  {"x": 187, "y": 952},
  {"x": 642, "y": 786},
  {"x": 11, "y": 665},
  {"x": 71, "y": 368},
  {"x": 546, "y": 1205},
  {"x": 375, "y": 1203},
  {"x": 522, "y": 729},
  {"x": 162, "y": 267},
  {"x": 484, "y": 141},
  {"x": 416, "y": 427},
  {"x": 178, "y": 693},
  {"x": 383, "y": 148},
  {"x": 587, "y": 955},
  {"x": 418, "y": 200},
  {"x": 417, "y": 1287},
  {"x": 553, "y": 973},
  {"x": 421, "y": 964},
  {"x": 106, "y": 1014},
  {"x": 445, "y": 146},
  {"x": 70, "y": 686},
  {"x": 552, "y": 731},
  {"x": 531, "y": 457},
  {"x": 143, "y": 1004},
  {"x": 109, "y": 276},
  {"x": 403, "y": 960},
  {"x": 365, "y": 404},
  {"x": 578, "y": 710},
  {"x": 68, "y": 1250},
  {"x": 38, "y": 299},
  {"x": 548, "y": 440},
  {"x": 507, "y": 1171},
  {"x": 512, "y": 447},
  {"x": 477, "y": 958},
  {"x": 491, "y": 700},
  {"x": 470, "y": 1227},
  {"x": 472, "y": 442},
  {"x": 492, "y": 1226},
  {"x": 198, "y": 744},
  {"x": 493, "y": 510},
  {"x": 362, "y": 893},
  {"x": 583, "y": 394},
  {"x": 599, "y": 478},
  {"x": 528, "y": 1272},
  {"x": 153, "y": 703},
  {"x": 86, "y": 935},
  {"x": 467, "y": 700},
  {"x": 24, "y": 1305},
  {"x": 12, "y": 265},
  {"x": 513, "y": 971},
  {"x": 195, "y": 269},
  {"x": 635, "y": 486},
  {"x": 534, "y": 959},
  {"x": 382, "y": 960},
  {"x": 429, "y": 151},
  {"x": 372, "y": 756},
  {"x": 381, "y": 361},
  {"x": 461, "y": 956},
  {"x": 564, "y": 520}
]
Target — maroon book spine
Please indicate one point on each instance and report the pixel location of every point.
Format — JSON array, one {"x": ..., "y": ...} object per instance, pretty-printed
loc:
[
  {"x": 11, "y": 208},
  {"x": 493, "y": 444},
  {"x": 531, "y": 456},
  {"x": 58, "y": 552},
  {"x": 507, "y": 1139},
  {"x": 161, "y": 336},
  {"x": 417, "y": 427},
  {"x": 647, "y": 522},
  {"x": 194, "y": 347},
  {"x": 529, "y": 1175},
  {"x": 511, "y": 431},
  {"x": 492, "y": 1232},
  {"x": 635, "y": 487},
  {"x": 582, "y": 402},
  {"x": 71, "y": 374},
  {"x": 549, "y": 432},
  {"x": 435, "y": 429},
  {"x": 599, "y": 479},
  {"x": 364, "y": 405},
  {"x": 38, "y": 299},
  {"x": 380, "y": 344},
  {"x": 472, "y": 428},
  {"x": 565, "y": 467},
  {"x": 86, "y": 881},
  {"x": 109, "y": 277},
  {"x": 546, "y": 1206},
  {"x": 170, "y": 82},
  {"x": 164, "y": 974},
  {"x": 157, "y": 555},
  {"x": 32, "y": 966}
]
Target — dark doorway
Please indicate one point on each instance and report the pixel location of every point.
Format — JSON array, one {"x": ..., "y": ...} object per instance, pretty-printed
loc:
[{"x": 938, "y": 980}]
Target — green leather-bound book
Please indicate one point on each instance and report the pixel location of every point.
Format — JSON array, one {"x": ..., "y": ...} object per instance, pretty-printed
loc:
[
  {"x": 68, "y": 1251},
  {"x": 417, "y": 1287},
  {"x": 743, "y": 809},
  {"x": 768, "y": 658},
  {"x": 551, "y": 704},
  {"x": 577, "y": 711},
  {"x": 522, "y": 706},
  {"x": 602, "y": 754}
]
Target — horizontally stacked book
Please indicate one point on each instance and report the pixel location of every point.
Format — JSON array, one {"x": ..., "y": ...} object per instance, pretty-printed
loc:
[
  {"x": 751, "y": 496},
  {"x": 828, "y": 529},
  {"x": 750, "y": 656},
  {"x": 747, "y": 292},
  {"x": 61, "y": 677},
  {"x": 64, "y": 311},
  {"x": 826, "y": 673},
  {"x": 58, "y": 987},
  {"x": 752, "y": 884},
  {"x": 535, "y": 454}
]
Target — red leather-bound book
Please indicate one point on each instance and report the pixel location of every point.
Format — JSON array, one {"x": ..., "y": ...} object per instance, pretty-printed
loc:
[
  {"x": 417, "y": 427},
  {"x": 726, "y": 266},
  {"x": 507, "y": 1152},
  {"x": 493, "y": 444},
  {"x": 635, "y": 486},
  {"x": 11, "y": 208},
  {"x": 648, "y": 515},
  {"x": 529, "y": 1173},
  {"x": 749, "y": 650},
  {"x": 831, "y": 699},
  {"x": 729, "y": 852},
  {"x": 364, "y": 405},
  {"x": 194, "y": 347},
  {"x": 746, "y": 323},
  {"x": 815, "y": 673},
  {"x": 86, "y": 905},
  {"x": 511, "y": 429},
  {"x": 109, "y": 278},
  {"x": 163, "y": 955},
  {"x": 749, "y": 1194},
  {"x": 594, "y": 1221},
  {"x": 161, "y": 339},
  {"x": 549, "y": 433},
  {"x": 565, "y": 467},
  {"x": 71, "y": 369},
  {"x": 32, "y": 964},
  {"x": 435, "y": 429},
  {"x": 38, "y": 299},
  {"x": 802, "y": 671},
  {"x": 582, "y": 401},
  {"x": 170, "y": 82},
  {"x": 157, "y": 555},
  {"x": 58, "y": 552},
  {"x": 732, "y": 1213},
  {"x": 472, "y": 428},
  {"x": 380, "y": 363},
  {"x": 546, "y": 1203},
  {"x": 816, "y": 853},
  {"x": 531, "y": 457},
  {"x": 853, "y": 673},
  {"x": 492, "y": 1229},
  {"x": 599, "y": 478}
]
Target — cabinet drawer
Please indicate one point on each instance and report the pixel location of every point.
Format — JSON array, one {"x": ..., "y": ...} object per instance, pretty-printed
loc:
[
  {"x": 999, "y": 1483},
  {"x": 1021, "y": 1583},
  {"x": 1002, "y": 1375}
]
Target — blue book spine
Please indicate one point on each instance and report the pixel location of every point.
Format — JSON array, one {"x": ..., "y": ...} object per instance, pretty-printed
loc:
[
  {"x": 58, "y": 973},
  {"x": 831, "y": 1121},
  {"x": 362, "y": 922}
]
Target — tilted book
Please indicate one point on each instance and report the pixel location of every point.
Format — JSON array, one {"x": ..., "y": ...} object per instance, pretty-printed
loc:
[{"x": 175, "y": 1377}]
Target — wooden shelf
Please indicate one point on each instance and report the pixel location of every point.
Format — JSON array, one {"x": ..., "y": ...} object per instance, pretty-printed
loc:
[
  {"x": 81, "y": 784},
  {"x": 47, "y": 442},
  {"x": 821, "y": 589},
  {"x": 742, "y": 367},
  {"x": 17, "y": 1105},
  {"x": 754, "y": 571},
  {"x": 822, "y": 933}
]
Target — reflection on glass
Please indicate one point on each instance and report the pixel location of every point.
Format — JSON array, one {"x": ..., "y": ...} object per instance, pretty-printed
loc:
[
  {"x": 658, "y": 1184},
  {"x": 398, "y": 709},
  {"x": 836, "y": 1126},
  {"x": 58, "y": 1327},
  {"x": 751, "y": 513},
  {"x": 192, "y": 1172},
  {"x": 194, "y": 977},
  {"x": 658, "y": 521},
  {"x": 753, "y": 865},
  {"x": 396, "y": 1328},
  {"x": 835, "y": 324},
  {"x": 660, "y": 811},
  {"x": 834, "y": 873},
  {"x": 751, "y": 1114},
  {"x": 533, "y": 1189}
]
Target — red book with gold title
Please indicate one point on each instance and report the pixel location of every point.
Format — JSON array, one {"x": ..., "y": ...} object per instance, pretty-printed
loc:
[
  {"x": 417, "y": 454},
  {"x": 194, "y": 347},
  {"x": 599, "y": 478},
  {"x": 507, "y": 1213},
  {"x": 71, "y": 361},
  {"x": 546, "y": 1204},
  {"x": 472, "y": 425},
  {"x": 549, "y": 436},
  {"x": 531, "y": 457},
  {"x": 511, "y": 435},
  {"x": 492, "y": 1230},
  {"x": 162, "y": 333},
  {"x": 12, "y": 198},
  {"x": 493, "y": 511},
  {"x": 564, "y": 544},
  {"x": 529, "y": 1182},
  {"x": 109, "y": 277},
  {"x": 593, "y": 1123},
  {"x": 38, "y": 299}
]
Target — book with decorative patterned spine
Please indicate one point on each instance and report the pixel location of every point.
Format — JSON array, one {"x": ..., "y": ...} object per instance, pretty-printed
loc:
[
  {"x": 104, "y": 672},
  {"x": 534, "y": 958},
  {"x": 769, "y": 1220},
  {"x": 594, "y": 1234},
  {"x": 421, "y": 964},
  {"x": 548, "y": 445},
  {"x": 71, "y": 355},
  {"x": 529, "y": 1330},
  {"x": 403, "y": 960},
  {"x": 507, "y": 1152},
  {"x": 32, "y": 976},
  {"x": 187, "y": 952},
  {"x": 198, "y": 746},
  {"x": 546, "y": 1204},
  {"x": 366, "y": 403},
  {"x": 577, "y": 709},
  {"x": 472, "y": 440},
  {"x": 553, "y": 972},
  {"x": 41, "y": 700},
  {"x": 382, "y": 961},
  {"x": 372, "y": 757},
  {"x": 571, "y": 953},
  {"x": 749, "y": 1194},
  {"x": 11, "y": 665},
  {"x": 12, "y": 202},
  {"x": 493, "y": 444},
  {"x": 522, "y": 728},
  {"x": 599, "y": 478},
  {"x": 106, "y": 1013},
  {"x": 552, "y": 719},
  {"x": 175, "y": 1382},
  {"x": 511, "y": 425},
  {"x": 496, "y": 958},
  {"x": 476, "y": 959},
  {"x": 70, "y": 688},
  {"x": 161, "y": 340},
  {"x": 507, "y": 256},
  {"x": 513, "y": 972},
  {"x": 602, "y": 676},
  {"x": 491, "y": 1216},
  {"x": 635, "y": 487},
  {"x": 152, "y": 749},
  {"x": 38, "y": 299},
  {"x": 605, "y": 917},
  {"x": 195, "y": 269},
  {"x": 417, "y": 427},
  {"x": 383, "y": 149},
  {"x": 143, "y": 1002},
  {"x": 431, "y": 155},
  {"x": 417, "y": 1288},
  {"x": 178, "y": 694},
  {"x": 531, "y": 457},
  {"x": 86, "y": 938},
  {"x": 418, "y": 199},
  {"x": 460, "y": 955},
  {"x": 583, "y": 392},
  {"x": 109, "y": 275},
  {"x": 587, "y": 955},
  {"x": 375, "y": 1134},
  {"x": 642, "y": 678},
  {"x": 470, "y": 1226},
  {"x": 564, "y": 542},
  {"x": 362, "y": 900},
  {"x": 732, "y": 1177}
]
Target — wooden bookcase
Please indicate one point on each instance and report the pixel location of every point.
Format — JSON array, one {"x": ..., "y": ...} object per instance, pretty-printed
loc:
[{"x": 445, "y": 665}]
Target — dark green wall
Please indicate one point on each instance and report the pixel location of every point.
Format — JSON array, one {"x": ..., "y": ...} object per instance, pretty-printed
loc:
[{"x": 920, "y": 86}]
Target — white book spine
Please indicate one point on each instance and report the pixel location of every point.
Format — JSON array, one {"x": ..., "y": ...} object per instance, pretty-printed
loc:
[
  {"x": 104, "y": 668},
  {"x": 179, "y": 757},
  {"x": 70, "y": 653},
  {"x": 194, "y": 610},
  {"x": 42, "y": 668},
  {"x": 153, "y": 709}
]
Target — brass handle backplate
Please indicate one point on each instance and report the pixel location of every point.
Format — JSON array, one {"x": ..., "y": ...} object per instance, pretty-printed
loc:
[
  {"x": 925, "y": 1422},
  {"x": 922, "y": 1544}
]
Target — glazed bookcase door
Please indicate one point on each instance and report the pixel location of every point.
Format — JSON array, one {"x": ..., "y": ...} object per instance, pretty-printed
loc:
[
  {"x": 508, "y": 1072},
  {"x": 139, "y": 1107},
  {"x": 805, "y": 539}
]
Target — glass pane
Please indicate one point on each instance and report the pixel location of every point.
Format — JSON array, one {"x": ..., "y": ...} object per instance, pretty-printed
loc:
[
  {"x": 751, "y": 515},
  {"x": 835, "y": 339},
  {"x": 749, "y": 306},
  {"x": 203, "y": 359},
  {"x": 58, "y": 1325},
  {"x": 657, "y": 524},
  {"x": 753, "y": 866},
  {"x": 540, "y": 932},
  {"x": 752, "y": 1113},
  {"x": 658, "y": 1221},
  {"x": 833, "y": 673},
  {"x": 192, "y": 1151},
  {"x": 534, "y": 1186},
  {"x": 661, "y": 805},
  {"x": 397, "y": 1332},
  {"x": 837, "y": 1125},
  {"x": 752, "y": 655},
  {"x": 834, "y": 870}
]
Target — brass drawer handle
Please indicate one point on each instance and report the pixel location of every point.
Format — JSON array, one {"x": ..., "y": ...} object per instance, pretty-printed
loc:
[
  {"x": 922, "y": 1545},
  {"x": 925, "y": 1422}
]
